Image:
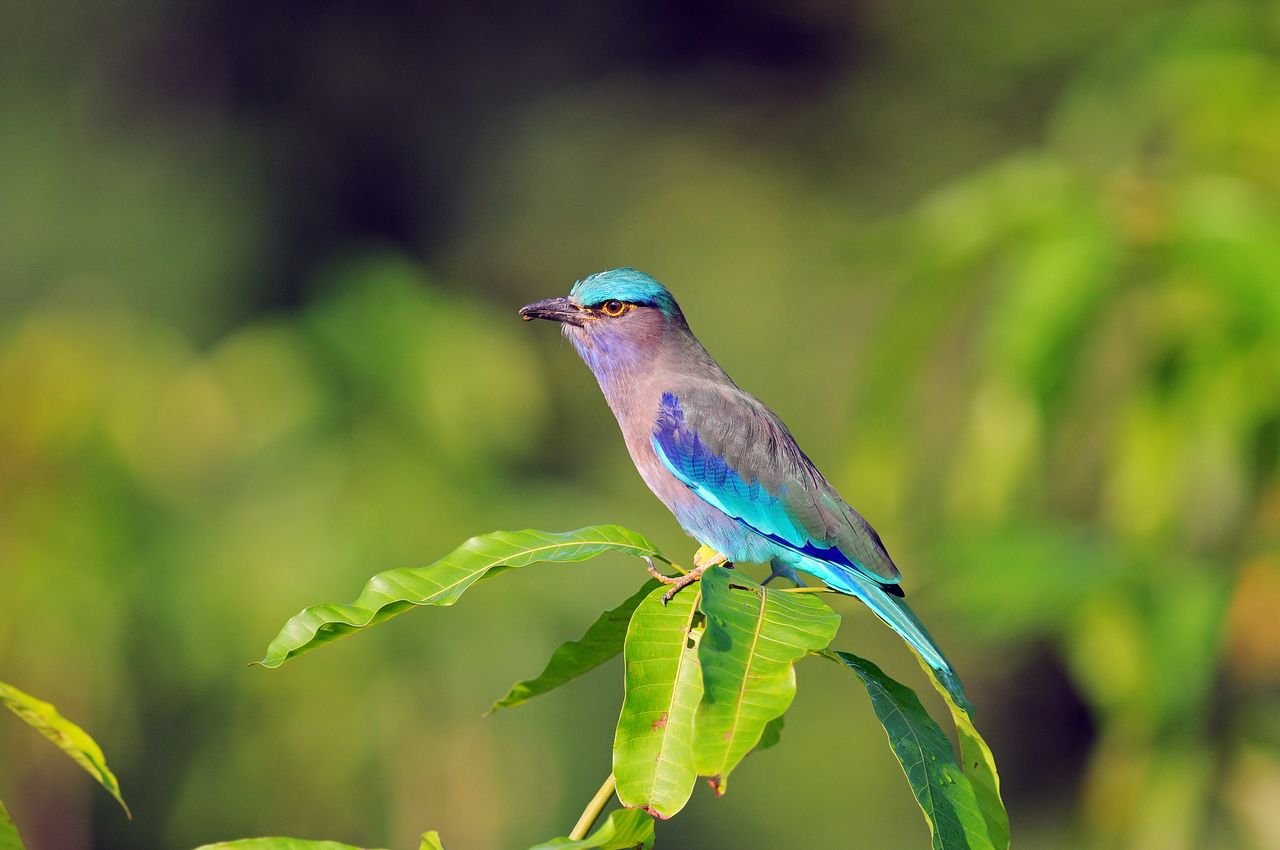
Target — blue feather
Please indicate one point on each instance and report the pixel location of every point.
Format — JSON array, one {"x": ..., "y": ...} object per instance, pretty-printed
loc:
[
  {"x": 895, "y": 613},
  {"x": 629, "y": 285},
  {"x": 686, "y": 456}
]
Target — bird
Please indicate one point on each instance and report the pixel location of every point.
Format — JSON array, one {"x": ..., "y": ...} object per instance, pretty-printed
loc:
[{"x": 722, "y": 462}]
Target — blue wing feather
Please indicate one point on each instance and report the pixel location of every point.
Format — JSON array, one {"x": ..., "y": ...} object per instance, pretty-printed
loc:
[
  {"x": 702, "y": 463},
  {"x": 740, "y": 493}
]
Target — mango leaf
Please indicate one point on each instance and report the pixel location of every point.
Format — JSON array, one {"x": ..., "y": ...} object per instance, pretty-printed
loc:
[
  {"x": 431, "y": 841},
  {"x": 626, "y": 829},
  {"x": 653, "y": 747},
  {"x": 772, "y": 733},
  {"x": 67, "y": 736},
  {"x": 277, "y": 844},
  {"x": 9, "y": 837},
  {"x": 442, "y": 583},
  {"x": 978, "y": 764},
  {"x": 601, "y": 641},
  {"x": 944, "y": 793},
  {"x": 754, "y": 636}
]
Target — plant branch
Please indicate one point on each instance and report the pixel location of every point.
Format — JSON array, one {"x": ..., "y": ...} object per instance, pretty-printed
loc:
[{"x": 592, "y": 812}]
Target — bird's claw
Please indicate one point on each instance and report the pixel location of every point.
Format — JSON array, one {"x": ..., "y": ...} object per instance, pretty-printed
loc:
[
  {"x": 784, "y": 571},
  {"x": 681, "y": 582},
  {"x": 653, "y": 571},
  {"x": 704, "y": 559}
]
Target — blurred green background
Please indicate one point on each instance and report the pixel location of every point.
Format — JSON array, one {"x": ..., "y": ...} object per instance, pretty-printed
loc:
[{"x": 1010, "y": 271}]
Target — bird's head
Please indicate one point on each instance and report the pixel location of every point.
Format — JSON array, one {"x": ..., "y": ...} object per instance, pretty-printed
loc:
[{"x": 617, "y": 319}]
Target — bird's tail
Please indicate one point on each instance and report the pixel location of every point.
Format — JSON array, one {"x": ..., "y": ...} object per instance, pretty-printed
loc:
[{"x": 899, "y": 617}]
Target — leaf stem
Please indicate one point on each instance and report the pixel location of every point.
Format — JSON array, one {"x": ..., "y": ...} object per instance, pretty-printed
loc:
[{"x": 592, "y": 812}]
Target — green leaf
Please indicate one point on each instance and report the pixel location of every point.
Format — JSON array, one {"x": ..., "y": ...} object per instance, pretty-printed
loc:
[
  {"x": 442, "y": 583},
  {"x": 940, "y": 786},
  {"x": 67, "y": 736},
  {"x": 653, "y": 747},
  {"x": 978, "y": 764},
  {"x": 626, "y": 829},
  {"x": 9, "y": 837},
  {"x": 772, "y": 733},
  {"x": 601, "y": 641},
  {"x": 753, "y": 638},
  {"x": 431, "y": 841},
  {"x": 277, "y": 844}
]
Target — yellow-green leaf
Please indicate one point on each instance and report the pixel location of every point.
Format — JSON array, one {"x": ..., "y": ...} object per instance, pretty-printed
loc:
[
  {"x": 278, "y": 844},
  {"x": 9, "y": 837},
  {"x": 67, "y": 736},
  {"x": 601, "y": 641},
  {"x": 431, "y": 841},
  {"x": 442, "y": 583},
  {"x": 753, "y": 638},
  {"x": 626, "y": 829},
  {"x": 653, "y": 747},
  {"x": 978, "y": 764}
]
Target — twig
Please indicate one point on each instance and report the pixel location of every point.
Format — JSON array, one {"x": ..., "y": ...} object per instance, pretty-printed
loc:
[{"x": 592, "y": 812}]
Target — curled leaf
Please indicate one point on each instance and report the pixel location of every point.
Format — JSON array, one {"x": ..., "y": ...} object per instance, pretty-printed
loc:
[
  {"x": 944, "y": 792},
  {"x": 601, "y": 641},
  {"x": 978, "y": 764},
  {"x": 65, "y": 735},
  {"x": 443, "y": 583}
]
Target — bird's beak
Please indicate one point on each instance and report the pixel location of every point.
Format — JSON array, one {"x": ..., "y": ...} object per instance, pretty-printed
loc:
[{"x": 555, "y": 309}]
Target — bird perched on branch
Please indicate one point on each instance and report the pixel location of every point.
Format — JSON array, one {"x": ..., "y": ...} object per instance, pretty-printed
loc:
[{"x": 720, "y": 460}]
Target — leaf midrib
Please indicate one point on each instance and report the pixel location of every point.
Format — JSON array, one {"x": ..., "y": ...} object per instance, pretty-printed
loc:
[
  {"x": 497, "y": 561},
  {"x": 746, "y": 677},
  {"x": 685, "y": 653},
  {"x": 444, "y": 589},
  {"x": 929, "y": 782},
  {"x": 915, "y": 736}
]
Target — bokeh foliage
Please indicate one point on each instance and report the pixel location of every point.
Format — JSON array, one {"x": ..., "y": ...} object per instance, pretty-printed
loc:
[{"x": 1010, "y": 272}]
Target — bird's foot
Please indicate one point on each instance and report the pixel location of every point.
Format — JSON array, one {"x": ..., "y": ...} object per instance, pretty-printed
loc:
[
  {"x": 680, "y": 583},
  {"x": 653, "y": 571},
  {"x": 704, "y": 559},
  {"x": 784, "y": 571}
]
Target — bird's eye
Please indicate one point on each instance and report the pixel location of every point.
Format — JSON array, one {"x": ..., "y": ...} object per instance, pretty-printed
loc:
[{"x": 613, "y": 308}]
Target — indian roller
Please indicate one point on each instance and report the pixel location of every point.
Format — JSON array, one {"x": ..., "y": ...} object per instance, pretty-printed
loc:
[{"x": 720, "y": 460}]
